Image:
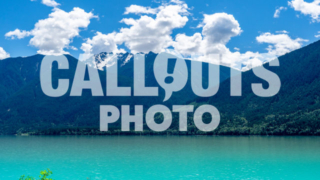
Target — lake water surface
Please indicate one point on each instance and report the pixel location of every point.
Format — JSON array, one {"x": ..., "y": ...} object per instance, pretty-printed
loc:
[{"x": 160, "y": 157}]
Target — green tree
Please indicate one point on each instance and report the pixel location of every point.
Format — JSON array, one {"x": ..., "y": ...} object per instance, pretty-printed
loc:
[{"x": 43, "y": 176}]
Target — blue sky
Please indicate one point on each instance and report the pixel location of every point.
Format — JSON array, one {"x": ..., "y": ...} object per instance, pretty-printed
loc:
[{"x": 255, "y": 18}]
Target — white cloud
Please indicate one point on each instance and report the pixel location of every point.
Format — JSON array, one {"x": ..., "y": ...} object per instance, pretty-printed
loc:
[
  {"x": 54, "y": 34},
  {"x": 135, "y": 9},
  {"x": 317, "y": 35},
  {"x": 306, "y": 8},
  {"x": 187, "y": 44},
  {"x": 280, "y": 44},
  {"x": 177, "y": 1},
  {"x": 218, "y": 29},
  {"x": 18, "y": 34},
  {"x": 252, "y": 62},
  {"x": 73, "y": 48},
  {"x": 3, "y": 54},
  {"x": 145, "y": 33},
  {"x": 153, "y": 34},
  {"x": 282, "y": 32},
  {"x": 278, "y": 10},
  {"x": 101, "y": 43},
  {"x": 51, "y": 3}
]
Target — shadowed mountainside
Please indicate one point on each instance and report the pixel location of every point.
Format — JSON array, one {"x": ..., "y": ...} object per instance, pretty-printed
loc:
[
  {"x": 24, "y": 107},
  {"x": 295, "y": 110}
]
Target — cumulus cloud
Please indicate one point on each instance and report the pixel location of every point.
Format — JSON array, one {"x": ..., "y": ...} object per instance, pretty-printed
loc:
[
  {"x": 278, "y": 10},
  {"x": 187, "y": 45},
  {"x": 307, "y": 8},
  {"x": 54, "y": 34},
  {"x": 51, "y": 3},
  {"x": 145, "y": 33},
  {"x": 280, "y": 44},
  {"x": 3, "y": 54},
  {"x": 317, "y": 35},
  {"x": 101, "y": 43},
  {"x": 135, "y": 9},
  {"x": 17, "y": 34},
  {"x": 220, "y": 27},
  {"x": 217, "y": 30},
  {"x": 154, "y": 33}
]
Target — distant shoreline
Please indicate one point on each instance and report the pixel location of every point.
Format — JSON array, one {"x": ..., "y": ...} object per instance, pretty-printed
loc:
[{"x": 244, "y": 131}]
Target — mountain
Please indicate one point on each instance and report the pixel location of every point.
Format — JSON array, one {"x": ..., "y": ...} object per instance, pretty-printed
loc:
[
  {"x": 24, "y": 107},
  {"x": 295, "y": 110},
  {"x": 16, "y": 73}
]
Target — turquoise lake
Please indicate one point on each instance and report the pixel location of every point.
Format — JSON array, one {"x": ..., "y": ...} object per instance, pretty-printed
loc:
[{"x": 160, "y": 157}]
